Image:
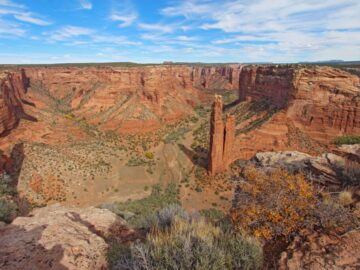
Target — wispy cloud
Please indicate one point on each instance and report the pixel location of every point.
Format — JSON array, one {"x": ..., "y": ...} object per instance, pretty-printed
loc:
[
  {"x": 67, "y": 32},
  {"x": 126, "y": 19},
  {"x": 123, "y": 12},
  {"x": 75, "y": 36},
  {"x": 293, "y": 28},
  {"x": 20, "y": 13},
  {"x": 28, "y": 17},
  {"x": 10, "y": 29},
  {"x": 86, "y": 4},
  {"x": 158, "y": 27},
  {"x": 10, "y": 3}
]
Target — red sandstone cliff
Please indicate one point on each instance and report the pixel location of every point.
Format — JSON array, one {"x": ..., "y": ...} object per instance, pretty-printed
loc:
[
  {"x": 315, "y": 104},
  {"x": 13, "y": 87},
  {"x": 323, "y": 101},
  {"x": 225, "y": 77},
  {"x": 222, "y": 139},
  {"x": 134, "y": 99}
]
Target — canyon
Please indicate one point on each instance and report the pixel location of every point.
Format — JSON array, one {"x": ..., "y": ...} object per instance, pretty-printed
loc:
[
  {"x": 74, "y": 137},
  {"x": 95, "y": 121}
]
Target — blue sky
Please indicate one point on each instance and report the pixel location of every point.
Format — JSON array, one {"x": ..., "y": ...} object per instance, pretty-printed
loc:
[{"x": 148, "y": 31}]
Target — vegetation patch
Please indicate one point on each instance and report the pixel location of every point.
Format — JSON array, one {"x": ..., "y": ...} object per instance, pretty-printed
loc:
[
  {"x": 141, "y": 209},
  {"x": 177, "y": 134},
  {"x": 179, "y": 240},
  {"x": 347, "y": 139}
]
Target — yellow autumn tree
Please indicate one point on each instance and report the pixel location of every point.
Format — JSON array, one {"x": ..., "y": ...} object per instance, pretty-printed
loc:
[{"x": 272, "y": 204}]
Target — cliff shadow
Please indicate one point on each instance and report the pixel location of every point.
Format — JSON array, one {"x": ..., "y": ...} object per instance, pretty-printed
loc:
[
  {"x": 198, "y": 157},
  {"x": 231, "y": 105},
  {"x": 17, "y": 157},
  {"x": 117, "y": 232},
  {"x": 21, "y": 114},
  {"x": 30, "y": 253}
]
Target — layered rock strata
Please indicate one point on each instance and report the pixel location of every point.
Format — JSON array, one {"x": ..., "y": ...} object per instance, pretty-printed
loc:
[
  {"x": 13, "y": 87},
  {"x": 323, "y": 101}
]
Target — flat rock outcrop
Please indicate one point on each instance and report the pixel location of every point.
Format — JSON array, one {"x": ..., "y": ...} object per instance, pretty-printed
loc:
[
  {"x": 58, "y": 237},
  {"x": 316, "y": 251},
  {"x": 325, "y": 170}
]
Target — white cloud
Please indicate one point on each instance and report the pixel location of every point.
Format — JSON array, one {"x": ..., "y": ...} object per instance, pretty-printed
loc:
[
  {"x": 86, "y": 4},
  {"x": 186, "y": 38},
  {"x": 158, "y": 27},
  {"x": 276, "y": 29},
  {"x": 67, "y": 32},
  {"x": 126, "y": 19},
  {"x": 28, "y": 17},
  {"x": 20, "y": 13},
  {"x": 10, "y": 29},
  {"x": 124, "y": 12},
  {"x": 79, "y": 36},
  {"x": 10, "y": 3}
]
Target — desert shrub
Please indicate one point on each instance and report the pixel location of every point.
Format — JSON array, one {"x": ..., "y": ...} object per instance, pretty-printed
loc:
[
  {"x": 5, "y": 185},
  {"x": 149, "y": 155},
  {"x": 351, "y": 173},
  {"x": 272, "y": 204},
  {"x": 163, "y": 218},
  {"x": 212, "y": 214},
  {"x": 7, "y": 210},
  {"x": 69, "y": 116},
  {"x": 194, "y": 119},
  {"x": 134, "y": 162},
  {"x": 142, "y": 208},
  {"x": 179, "y": 240},
  {"x": 347, "y": 139},
  {"x": 332, "y": 216},
  {"x": 345, "y": 198}
]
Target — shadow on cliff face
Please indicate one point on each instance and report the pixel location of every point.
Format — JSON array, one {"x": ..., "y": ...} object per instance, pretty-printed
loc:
[
  {"x": 230, "y": 105},
  {"x": 198, "y": 158},
  {"x": 17, "y": 157},
  {"x": 21, "y": 249},
  {"x": 10, "y": 169}
]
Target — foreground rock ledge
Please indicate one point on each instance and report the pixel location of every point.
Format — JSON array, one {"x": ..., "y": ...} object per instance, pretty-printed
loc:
[{"x": 58, "y": 237}]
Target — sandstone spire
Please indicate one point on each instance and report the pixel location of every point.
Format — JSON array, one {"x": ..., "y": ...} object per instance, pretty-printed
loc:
[
  {"x": 221, "y": 138},
  {"x": 229, "y": 140}
]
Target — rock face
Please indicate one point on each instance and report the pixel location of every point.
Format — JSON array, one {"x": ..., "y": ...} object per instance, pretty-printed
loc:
[
  {"x": 13, "y": 87},
  {"x": 57, "y": 237},
  {"x": 315, "y": 251},
  {"x": 221, "y": 138},
  {"x": 128, "y": 99},
  {"x": 323, "y": 101},
  {"x": 217, "y": 77}
]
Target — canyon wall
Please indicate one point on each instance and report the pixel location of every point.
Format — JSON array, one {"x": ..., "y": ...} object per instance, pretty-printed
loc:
[
  {"x": 220, "y": 77},
  {"x": 13, "y": 87},
  {"x": 323, "y": 101},
  {"x": 130, "y": 99}
]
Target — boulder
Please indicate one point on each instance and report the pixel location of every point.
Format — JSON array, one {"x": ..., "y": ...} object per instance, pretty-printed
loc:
[{"x": 58, "y": 237}]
